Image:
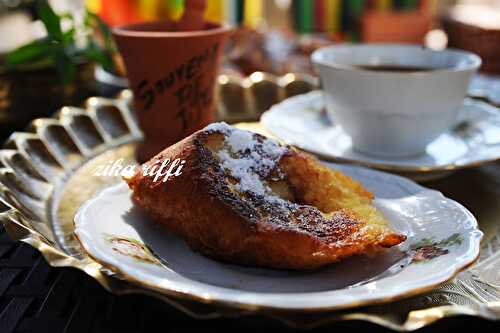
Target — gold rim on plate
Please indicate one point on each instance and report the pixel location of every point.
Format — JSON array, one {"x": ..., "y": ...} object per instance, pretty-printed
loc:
[{"x": 44, "y": 179}]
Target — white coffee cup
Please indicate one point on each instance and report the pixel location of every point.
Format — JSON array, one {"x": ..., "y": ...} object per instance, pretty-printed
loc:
[{"x": 394, "y": 113}]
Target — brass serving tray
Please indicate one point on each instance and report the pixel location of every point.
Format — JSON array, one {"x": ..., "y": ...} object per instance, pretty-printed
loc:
[
  {"x": 246, "y": 98},
  {"x": 47, "y": 173}
]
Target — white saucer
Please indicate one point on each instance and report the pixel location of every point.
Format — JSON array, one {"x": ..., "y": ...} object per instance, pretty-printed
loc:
[
  {"x": 486, "y": 87},
  {"x": 443, "y": 238},
  {"x": 301, "y": 121}
]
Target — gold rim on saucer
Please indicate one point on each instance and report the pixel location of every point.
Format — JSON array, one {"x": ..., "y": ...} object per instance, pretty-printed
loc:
[{"x": 306, "y": 101}]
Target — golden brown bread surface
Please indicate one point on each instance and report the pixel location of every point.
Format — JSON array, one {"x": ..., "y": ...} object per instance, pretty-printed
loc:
[{"x": 245, "y": 199}]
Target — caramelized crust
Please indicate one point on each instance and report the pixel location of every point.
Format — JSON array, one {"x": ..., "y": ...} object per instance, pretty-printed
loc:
[{"x": 312, "y": 216}]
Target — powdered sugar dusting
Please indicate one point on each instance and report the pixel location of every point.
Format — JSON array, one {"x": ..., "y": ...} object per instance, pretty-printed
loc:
[
  {"x": 248, "y": 158},
  {"x": 240, "y": 141},
  {"x": 238, "y": 167},
  {"x": 221, "y": 127},
  {"x": 251, "y": 162}
]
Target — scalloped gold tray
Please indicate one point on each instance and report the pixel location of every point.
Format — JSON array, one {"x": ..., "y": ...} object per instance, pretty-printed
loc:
[{"x": 46, "y": 175}]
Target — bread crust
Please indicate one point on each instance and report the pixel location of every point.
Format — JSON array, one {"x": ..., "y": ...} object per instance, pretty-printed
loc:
[{"x": 200, "y": 208}]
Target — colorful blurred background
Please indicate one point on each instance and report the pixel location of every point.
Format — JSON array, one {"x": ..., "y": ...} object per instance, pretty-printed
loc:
[{"x": 42, "y": 69}]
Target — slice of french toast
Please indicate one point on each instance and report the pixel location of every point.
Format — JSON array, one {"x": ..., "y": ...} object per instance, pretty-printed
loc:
[{"x": 246, "y": 199}]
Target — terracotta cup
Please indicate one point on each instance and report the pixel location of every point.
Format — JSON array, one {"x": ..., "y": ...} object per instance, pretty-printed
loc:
[{"x": 172, "y": 73}]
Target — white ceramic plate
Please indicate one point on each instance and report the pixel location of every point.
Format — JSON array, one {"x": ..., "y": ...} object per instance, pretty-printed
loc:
[
  {"x": 486, "y": 87},
  {"x": 443, "y": 238},
  {"x": 299, "y": 121}
]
